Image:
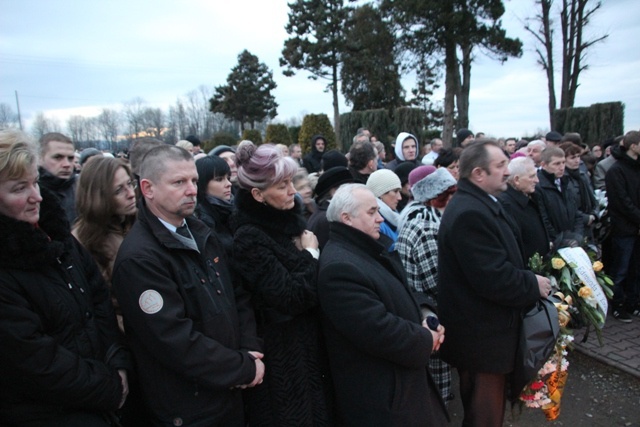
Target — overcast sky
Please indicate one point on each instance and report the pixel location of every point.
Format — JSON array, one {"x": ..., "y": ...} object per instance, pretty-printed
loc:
[{"x": 68, "y": 57}]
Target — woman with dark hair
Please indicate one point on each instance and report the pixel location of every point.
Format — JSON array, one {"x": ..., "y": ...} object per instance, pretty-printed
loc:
[
  {"x": 448, "y": 158},
  {"x": 418, "y": 248},
  {"x": 277, "y": 259},
  {"x": 61, "y": 363},
  {"x": 106, "y": 206},
  {"x": 215, "y": 198}
]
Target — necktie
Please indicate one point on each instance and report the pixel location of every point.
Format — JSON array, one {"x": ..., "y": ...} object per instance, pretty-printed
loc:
[
  {"x": 559, "y": 184},
  {"x": 183, "y": 230}
]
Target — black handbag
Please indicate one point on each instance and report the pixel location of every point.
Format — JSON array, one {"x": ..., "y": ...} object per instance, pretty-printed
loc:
[{"x": 539, "y": 331}]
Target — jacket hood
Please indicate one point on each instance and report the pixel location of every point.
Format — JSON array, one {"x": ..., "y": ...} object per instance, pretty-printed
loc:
[
  {"x": 314, "y": 151},
  {"x": 403, "y": 136}
]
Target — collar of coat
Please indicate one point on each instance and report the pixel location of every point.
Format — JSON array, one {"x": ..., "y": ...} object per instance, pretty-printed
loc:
[
  {"x": 275, "y": 221},
  {"x": 466, "y": 186},
  {"x": 53, "y": 182},
  {"x": 27, "y": 247}
]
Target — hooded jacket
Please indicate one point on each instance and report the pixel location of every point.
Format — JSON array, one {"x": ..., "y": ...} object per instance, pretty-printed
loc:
[
  {"x": 58, "y": 329},
  {"x": 402, "y": 137},
  {"x": 313, "y": 161}
]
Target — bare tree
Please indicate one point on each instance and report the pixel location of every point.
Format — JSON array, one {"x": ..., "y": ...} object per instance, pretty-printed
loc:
[
  {"x": 42, "y": 125},
  {"x": 75, "y": 128},
  {"x": 134, "y": 114},
  {"x": 575, "y": 15},
  {"x": 108, "y": 122},
  {"x": 8, "y": 118}
]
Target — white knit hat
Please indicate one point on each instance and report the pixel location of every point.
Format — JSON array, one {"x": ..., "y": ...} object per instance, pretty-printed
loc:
[
  {"x": 432, "y": 185},
  {"x": 383, "y": 180}
]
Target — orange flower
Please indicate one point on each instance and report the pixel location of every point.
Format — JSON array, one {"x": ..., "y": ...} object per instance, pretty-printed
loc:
[
  {"x": 557, "y": 263},
  {"x": 597, "y": 266},
  {"x": 585, "y": 292}
]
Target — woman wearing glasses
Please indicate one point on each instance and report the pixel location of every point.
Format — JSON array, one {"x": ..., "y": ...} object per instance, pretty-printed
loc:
[{"x": 106, "y": 205}]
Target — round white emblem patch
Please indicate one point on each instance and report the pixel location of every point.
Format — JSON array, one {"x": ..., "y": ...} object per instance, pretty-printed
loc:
[{"x": 151, "y": 302}]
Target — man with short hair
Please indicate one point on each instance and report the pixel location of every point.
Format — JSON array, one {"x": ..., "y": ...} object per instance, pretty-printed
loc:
[
  {"x": 510, "y": 146},
  {"x": 377, "y": 342},
  {"x": 534, "y": 149},
  {"x": 431, "y": 156},
  {"x": 483, "y": 284},
  {"x": 623, "y": 192},
  {"x": 191, "y": 331},
  {"x": 560, "y": 213},
  {"x": 295, "y": 152},
  {"x": 57, "y": 157},
  {"x": 603, "y": 166},
  {"x": 363, "y": 161}
]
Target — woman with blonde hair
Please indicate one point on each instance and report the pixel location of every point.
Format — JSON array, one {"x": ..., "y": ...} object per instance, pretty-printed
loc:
[{"x": 61, "y": 364}]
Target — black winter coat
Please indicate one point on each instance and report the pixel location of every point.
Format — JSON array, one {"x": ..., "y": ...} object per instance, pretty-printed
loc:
[
  {"x": 282, "y": 281},
  {"x": 378, "y": 349},
  {"x": 218, "y": 218},
  {"x": 559, "y": 210},
  {"x": 188, "y": 327},
  {"x": 526, "y": 214},
  {"x": 64, "y": 190},
  {"x": 623, "y": 194},
  {"x": 58, "y": 331},
  {"x": 482, "y": 283}
]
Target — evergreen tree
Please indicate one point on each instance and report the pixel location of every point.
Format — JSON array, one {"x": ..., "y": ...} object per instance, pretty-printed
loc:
[
  {"x": 370, "y": 73},
  {"x": 316, "y": 45},
  {"x": 246, "y": 97}
]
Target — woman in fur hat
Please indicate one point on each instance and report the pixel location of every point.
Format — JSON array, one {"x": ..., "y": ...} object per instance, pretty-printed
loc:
[{"x": 418, "y": 249}]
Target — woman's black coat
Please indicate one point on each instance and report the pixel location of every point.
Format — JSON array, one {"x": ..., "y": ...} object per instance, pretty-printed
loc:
[{"x": 57, "y": 328}]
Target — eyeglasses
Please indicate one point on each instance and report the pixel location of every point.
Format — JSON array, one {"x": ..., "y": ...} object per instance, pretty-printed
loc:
[{"x": 132, "y": 184}]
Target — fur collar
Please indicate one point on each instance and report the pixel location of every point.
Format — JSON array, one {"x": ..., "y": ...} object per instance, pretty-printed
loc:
[
  {"x": 274, "y": 221},
  {"x": 25, "y": 247}
]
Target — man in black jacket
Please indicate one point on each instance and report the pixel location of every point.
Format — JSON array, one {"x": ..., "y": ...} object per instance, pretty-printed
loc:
[
  {"x": 56, "y": 170},
  {"x": 623, "y": 192},
  {"x": 559, "y": 211},
  {"x": 377, "y": 342},
  {"x": 192, "y": 333},
  {"x": 483, "y": 284}
]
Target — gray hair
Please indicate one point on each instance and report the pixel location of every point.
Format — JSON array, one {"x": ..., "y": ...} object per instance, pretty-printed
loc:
[
  {"x": 154, "y": 162},
  {"x": 519, "y": 166},
  {"x": 537, "y": 142},
  {"x": 344, "y": 202}
]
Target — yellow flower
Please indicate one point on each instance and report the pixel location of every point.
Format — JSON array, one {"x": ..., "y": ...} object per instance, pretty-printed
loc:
[
  {"x": 585, "y": 292},
  {"x": 557, "y": 263},
  {"x": 563, "y": 318},
  {"x": 597, "y": 266}
]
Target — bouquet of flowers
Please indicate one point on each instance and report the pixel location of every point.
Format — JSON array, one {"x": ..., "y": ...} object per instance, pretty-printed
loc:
[{"x": 581, "y": 292}]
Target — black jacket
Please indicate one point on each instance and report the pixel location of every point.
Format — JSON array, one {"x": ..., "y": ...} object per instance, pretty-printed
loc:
[
  {"x": 313, "y": 161},
  {"x": 525, "y": 213},
  {"x": 378, "y": 350},
  {"x": 189, "y": 329},
  {"x": 282, "y": 282},
  {"x": 64, "y": 189},
  {"x": 623, "y": 193},
  {"x": 483, "y": 284},
  {"x": 218, "y": 218},
  {"x": 559, "y": 211},
  {"x": 58, "y": 331}
]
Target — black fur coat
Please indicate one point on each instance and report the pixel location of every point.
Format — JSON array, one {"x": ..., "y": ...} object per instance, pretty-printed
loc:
[{"x": 282, "y": 283}]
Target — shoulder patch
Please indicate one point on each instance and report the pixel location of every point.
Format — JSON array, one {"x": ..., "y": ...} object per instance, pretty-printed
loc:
[{"x": 151, "y": 301}]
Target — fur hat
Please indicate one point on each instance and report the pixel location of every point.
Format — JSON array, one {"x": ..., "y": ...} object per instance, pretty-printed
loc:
[
  {"x": 420, "y": 172},
  {"x": 382, "y": 181},
  {"x": 332, "y": 178},
  {"x": 431, "y": 186}
]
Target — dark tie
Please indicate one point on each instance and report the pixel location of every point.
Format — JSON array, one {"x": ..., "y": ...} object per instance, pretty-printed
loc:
[{"x": 183, "y": 230}]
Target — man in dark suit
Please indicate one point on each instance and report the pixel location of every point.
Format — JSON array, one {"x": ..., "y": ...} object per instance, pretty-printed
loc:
[
  {"x": 377, "y": 342},
  {"x": 483, "y": 284}
]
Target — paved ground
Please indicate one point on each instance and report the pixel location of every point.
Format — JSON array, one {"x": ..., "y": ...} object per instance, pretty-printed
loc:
[{"x": 621, "y": 347}]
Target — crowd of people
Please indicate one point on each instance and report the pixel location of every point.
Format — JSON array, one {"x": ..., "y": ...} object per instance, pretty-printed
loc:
[{"x": 255, "y": 285}]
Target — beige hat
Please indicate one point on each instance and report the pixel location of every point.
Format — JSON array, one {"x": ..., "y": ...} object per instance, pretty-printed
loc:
[{"x": 382, "y": 181}]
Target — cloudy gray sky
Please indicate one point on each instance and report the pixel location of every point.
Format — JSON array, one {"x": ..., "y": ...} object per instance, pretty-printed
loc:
[{"x": 68, "y": 57}]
